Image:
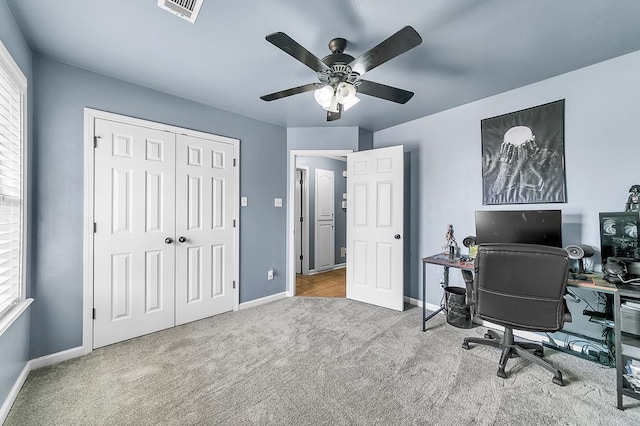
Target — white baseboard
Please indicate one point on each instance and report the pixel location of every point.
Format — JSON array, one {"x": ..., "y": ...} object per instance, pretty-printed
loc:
[
  {"x": 47, "y": 360},
  {"x": 13, "y": 393},
  {"x": 262, "y": 300},
  {"x": 335, "y": 268},
  {"x": 416, "y": 302},
  {"x": 31, "y": 365}
]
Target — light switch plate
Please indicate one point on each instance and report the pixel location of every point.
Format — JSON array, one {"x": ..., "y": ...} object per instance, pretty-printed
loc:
[
  {"x": 244, "y": 202},
  {"x": 278, "y": 202}
]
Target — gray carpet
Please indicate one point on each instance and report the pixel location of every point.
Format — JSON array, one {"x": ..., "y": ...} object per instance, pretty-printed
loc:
[{"x": 314, "y": 361}]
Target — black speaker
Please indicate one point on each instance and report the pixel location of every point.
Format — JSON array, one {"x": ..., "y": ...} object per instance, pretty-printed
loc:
[
  {"x": 579, "y": 252},
  {"x": 469, "y": 241}
]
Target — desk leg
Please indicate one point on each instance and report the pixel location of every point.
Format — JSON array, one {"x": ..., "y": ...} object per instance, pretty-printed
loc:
[
  {"x": 426, "y": 317},
  {"x": 424, "y": 296},
  {"x": 618, "y": 337}
]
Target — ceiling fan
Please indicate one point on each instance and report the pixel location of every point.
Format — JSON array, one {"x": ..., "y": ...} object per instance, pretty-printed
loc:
[{"x": 339, "y": 73}]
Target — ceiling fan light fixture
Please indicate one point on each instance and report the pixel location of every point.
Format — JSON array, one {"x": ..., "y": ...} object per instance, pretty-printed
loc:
[
  {"x": 323, "y": 96},
  {"x": 350, "y": 103},
  {"x": 345, "y": 93},
  {"x": 333, "y": 105}
]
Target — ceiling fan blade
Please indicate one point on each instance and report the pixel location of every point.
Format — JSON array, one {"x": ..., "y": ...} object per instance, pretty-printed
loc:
[
  {"x": 405, "y": 39},
  {"x": 293, "y": 91},
  {"x": 290, "y": 46},
  {"x": 383, "y": 91},
  {"x": 333, "y": 116}
]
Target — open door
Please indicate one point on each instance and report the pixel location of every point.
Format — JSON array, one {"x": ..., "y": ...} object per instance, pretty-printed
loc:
[{"x": 375, "y": 222}]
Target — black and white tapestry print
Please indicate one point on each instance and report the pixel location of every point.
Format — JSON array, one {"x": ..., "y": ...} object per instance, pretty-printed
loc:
[{"x": 523, "y": 156}]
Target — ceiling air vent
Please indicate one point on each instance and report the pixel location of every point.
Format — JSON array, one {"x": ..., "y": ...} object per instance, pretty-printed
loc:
[{"x": 186, "y": 9}]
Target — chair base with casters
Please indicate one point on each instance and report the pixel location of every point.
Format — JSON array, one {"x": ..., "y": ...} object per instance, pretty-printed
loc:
[{"x": 532, "y": 352}]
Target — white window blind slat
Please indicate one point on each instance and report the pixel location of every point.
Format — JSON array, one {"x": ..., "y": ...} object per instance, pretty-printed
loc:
[
  {"x": 8, "y": 301},
  {"x": 12, "y": 93}
]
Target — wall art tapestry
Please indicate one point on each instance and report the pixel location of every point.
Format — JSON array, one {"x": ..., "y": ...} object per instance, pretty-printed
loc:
[{"x": 523, "y": 156}]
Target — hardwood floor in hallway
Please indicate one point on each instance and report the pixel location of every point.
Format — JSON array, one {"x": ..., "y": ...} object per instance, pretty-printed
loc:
[{"x": 325, "y": 284}]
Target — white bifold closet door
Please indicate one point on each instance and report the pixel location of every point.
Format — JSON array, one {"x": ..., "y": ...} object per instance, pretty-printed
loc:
[
  {"x": 204, "y": 219},
  {"x": 163, "y": 246}
]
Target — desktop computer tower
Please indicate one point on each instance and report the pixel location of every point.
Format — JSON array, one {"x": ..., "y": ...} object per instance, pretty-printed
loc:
[
  {"x": 619, "y": 235},
  {"x": 619, "y": 241}
]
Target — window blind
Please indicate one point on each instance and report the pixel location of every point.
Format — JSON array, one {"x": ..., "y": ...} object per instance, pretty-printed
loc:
[{"x": 11, "y": 215}]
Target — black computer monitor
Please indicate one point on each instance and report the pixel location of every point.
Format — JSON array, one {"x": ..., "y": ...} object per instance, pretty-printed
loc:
[{"x": 542, "y": 227}]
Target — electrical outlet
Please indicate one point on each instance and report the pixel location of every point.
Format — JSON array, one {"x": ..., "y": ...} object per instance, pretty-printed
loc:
[{"x": 270, "y": 274}]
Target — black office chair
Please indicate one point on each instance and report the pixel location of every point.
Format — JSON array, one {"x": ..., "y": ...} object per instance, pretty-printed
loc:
[{"x": 520, "y": 286}]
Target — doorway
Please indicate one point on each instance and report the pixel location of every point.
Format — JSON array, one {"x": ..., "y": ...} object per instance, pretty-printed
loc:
[
  {"x": 318, "y": 219},
  {"x": 375, "y": 224}
]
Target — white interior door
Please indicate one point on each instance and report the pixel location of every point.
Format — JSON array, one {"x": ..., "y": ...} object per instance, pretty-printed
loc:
[
  {"x": 375, "y": 194},
  {"x": 325, "y": 220},
  {"x": 134, "y": 214},
  {"x": 324, "y": 195},
  {"x": 325, "y": 251},
  {"x": 204, "y": 228}
]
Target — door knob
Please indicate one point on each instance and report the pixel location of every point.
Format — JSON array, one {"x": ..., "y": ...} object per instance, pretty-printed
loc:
[
  {"x": 397, "y": 236},
  {"x": 168, "y": 240},
  {"x": 182, "y": 239}
]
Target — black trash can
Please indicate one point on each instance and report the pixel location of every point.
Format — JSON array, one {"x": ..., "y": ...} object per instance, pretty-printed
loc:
[{"x": 458, "y": 312}]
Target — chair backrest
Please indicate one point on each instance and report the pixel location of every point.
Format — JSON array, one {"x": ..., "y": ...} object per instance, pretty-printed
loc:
[{"x": 521, "y": 285}]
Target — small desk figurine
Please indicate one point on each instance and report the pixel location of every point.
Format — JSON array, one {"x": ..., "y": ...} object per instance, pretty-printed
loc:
[
  {"x": 633, "y": 204},
  {"x": 450, "y": 247}
]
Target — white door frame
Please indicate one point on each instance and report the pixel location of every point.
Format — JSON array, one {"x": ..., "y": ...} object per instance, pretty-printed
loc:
[
  {"x": 305, "y": 224},
  {"x": 291, "y": 246},
  {"x": 87, "y": 286}
]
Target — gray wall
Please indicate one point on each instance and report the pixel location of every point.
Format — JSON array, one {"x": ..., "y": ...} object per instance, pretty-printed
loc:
[
  {"x": 14, "y": 342},
  {"x": 62, "y": 91},
  {"x": 601, "y": 147},
  {"x": 340, "y": 214},
  {"x": 316, "y": 138},
  {"x": 365, "y": 139}
]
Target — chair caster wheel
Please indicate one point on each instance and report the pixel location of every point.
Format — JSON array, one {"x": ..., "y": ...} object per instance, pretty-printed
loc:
[
  {"x": 488, "y": 336},
  {"x": 502, "y": 374},
  {"x": 465, "y": 345},
  {"x": 558, "y": 380}
]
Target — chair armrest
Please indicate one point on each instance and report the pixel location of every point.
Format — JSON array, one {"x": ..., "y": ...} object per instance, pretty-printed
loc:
[{"x": 468, "y": 280}]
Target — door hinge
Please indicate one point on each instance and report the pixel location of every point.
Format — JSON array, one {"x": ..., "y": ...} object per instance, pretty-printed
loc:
[
  {"x": 95, "y": 141},
  {"x": 234, "y": 162},
  {"x": 301, "y": 218},
  {"x": 301, "y": 182},
  {"x": 95, "y": 227},
  {"x": 94, "y": 313},
  {"x": 234, "y": 284},
  {"x": 234, "y": 223},
  {"x": 301, "y": 257}
]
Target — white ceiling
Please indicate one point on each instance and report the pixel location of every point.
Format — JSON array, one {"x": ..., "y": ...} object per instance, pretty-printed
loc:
[{"x": 471, "y": 48}]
